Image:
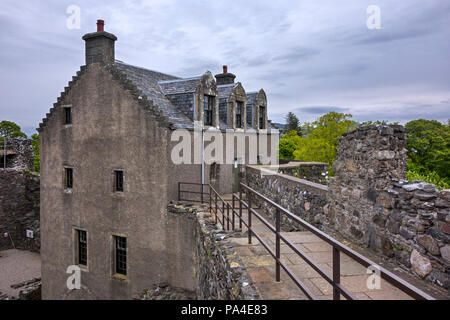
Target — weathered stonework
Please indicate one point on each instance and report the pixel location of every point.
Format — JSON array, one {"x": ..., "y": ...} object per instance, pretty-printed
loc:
[
  {"x": 219, "y": 272},
  {"x": 311, "y": 171},
  {"x": 372, "y": 205},
  {"x": 369, "y": 203},
  {"x": 19, "y": 155},
  {"x": 19, "y": 210},
  {"x": 303, "y": 198}
]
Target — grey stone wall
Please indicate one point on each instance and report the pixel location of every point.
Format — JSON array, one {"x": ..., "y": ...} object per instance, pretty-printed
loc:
[
  {"x": 311, "y": 171},
  {"x": 19, "y": 210},
  {"x": 219, "y": 272},
  {"x": 303, "y": 198},
  {"x": 372, "y": 204},
  {"x": 19, "y": 155}
]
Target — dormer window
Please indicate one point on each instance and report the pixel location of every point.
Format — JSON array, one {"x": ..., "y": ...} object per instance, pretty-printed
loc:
[
  {"x": 261, "y": 117},
  {"x": 208, "y": 110},
  {"x": 239, "y": 109}
]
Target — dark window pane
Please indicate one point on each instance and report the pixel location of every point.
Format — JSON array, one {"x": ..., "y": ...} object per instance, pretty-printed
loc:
[
  {"x": 82, "y": 247},
  {"x": 69, "y": 178},
  {"x": 121, "y": 255},
  {"x": 67, "y": 115},
  {"x": 119, "y": 180},
  {"x": 239, "y": 114},
  {"x": 208, "y": 110},
  {"x": 261, "y": 118}
]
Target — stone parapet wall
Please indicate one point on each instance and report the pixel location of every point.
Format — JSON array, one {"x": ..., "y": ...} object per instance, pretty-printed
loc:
[
  {"x": 372, "y": 204},
  {"x": 311, "y": 171},
  {"x": 19, "y": 210},
  {"x": 219, "y": 272},
  {"x": 19, "y": 155},
  {"x": 303, "y": 198}
]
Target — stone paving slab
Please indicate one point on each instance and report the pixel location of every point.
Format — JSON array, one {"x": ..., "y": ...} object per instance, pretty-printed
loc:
[{"x": 261, "y": 267}]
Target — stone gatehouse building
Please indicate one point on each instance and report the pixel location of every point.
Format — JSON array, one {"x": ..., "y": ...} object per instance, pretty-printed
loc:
[{"x": 107, "y": 174}]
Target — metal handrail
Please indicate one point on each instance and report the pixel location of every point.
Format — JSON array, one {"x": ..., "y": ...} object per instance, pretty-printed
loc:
[{"x": 338, "y": 247}]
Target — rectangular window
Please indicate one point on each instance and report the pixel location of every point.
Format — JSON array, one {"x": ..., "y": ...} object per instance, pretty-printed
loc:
[
  {"x": 239, "y": 114},
  {"x": 82, "y": 247},
  {"x": 118, "y": 180},
  {"x": 208, "y": 110},
  {"x": 68, "y": 178},
  {"x": 67, "y": 115},
  {"x": 121, "y": 255},
  {"x": 261, "y": 118}
]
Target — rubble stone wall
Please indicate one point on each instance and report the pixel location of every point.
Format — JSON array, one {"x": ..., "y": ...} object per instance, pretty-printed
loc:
[{"x": 19, "y": 210}]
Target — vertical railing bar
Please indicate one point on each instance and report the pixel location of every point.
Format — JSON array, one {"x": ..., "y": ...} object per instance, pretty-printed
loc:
[
  {"x": 336, "y": 273},
  {"x": 223, "y": 214},
  {"x": 210, "y": 199},
  {"x": 232, "y": 211},
  {"x": 249, "y": 218},
  {"x": 216, "y": 206},
  {"x": 277, "y": 245},
  {"x": 228, "y": 216},
  {"x": 240, "y": 208},
  {"x": 201, "y": 191}
]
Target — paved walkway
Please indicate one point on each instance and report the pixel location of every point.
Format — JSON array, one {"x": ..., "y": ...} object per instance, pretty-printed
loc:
[
  {"x": 261, "y": 267},
  {"x": 17, "y": 266}
]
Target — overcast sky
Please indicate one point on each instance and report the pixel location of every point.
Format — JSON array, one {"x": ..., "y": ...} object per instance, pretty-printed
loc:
[{"x": 310, "y": 56}]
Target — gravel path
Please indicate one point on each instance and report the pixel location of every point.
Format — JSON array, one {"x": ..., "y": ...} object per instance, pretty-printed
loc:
[{"x": 17, "y": 266}]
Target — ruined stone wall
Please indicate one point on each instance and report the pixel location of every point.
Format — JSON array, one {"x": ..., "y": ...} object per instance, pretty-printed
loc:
[
  {"x": 19, "y": 155},
  {"x": 311, "y": 171},
  {"x": 218, "y": 271},
  {"x": 372, "y": 205},
  {"x": 303, "y": 198},
  {"x": 19, "y": 210}
]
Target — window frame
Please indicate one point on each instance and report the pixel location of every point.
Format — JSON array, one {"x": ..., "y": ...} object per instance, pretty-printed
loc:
[
  {"x": 67, "y": 115},
  {"x": 68, "y": 178},
  {"x": 239, "y": 106},
  {"x": 82, "y": 247},
  {"x": 119, "y": 181},
  {"x": 261, "y": 124},
  {"x": 208, "y": 107},
  {"x": 120, "y": 252}
]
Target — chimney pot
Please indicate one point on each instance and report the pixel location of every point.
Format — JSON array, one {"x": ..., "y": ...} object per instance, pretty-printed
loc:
[
  {"x": 100, "y": 25},
  {"x": 225, "y": 69}
]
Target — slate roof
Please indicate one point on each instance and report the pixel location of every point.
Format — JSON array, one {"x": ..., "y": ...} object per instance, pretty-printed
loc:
[
  {"x": 148, "y": 82},
  {"x": 225, "y": 90},
  {"x": 251, "y": 98},
  {"x": 179, "y": 86}
]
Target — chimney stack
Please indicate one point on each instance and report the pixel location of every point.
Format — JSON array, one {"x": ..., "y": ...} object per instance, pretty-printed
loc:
[
  {"x": 100, "y": 45},
  {"x": 225, "y": 77}
]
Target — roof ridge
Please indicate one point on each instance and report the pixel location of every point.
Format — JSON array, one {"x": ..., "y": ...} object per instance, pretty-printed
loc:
[{"x": 145, "y": 69}]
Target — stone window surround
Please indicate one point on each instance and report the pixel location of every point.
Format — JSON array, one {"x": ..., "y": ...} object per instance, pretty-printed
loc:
[
  {"x": 75, "y": 251},
  {"x": 63, "y": 112},
  {"x": 200, "y": 105},
  {"x": 64, "y": 179},
  {"x": 114, "y": 274}
]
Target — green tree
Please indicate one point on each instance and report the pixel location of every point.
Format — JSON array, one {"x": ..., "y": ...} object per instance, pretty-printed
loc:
[
  {"x": 321, "y": 137},
  {"x": 292, "y": 123},
  {"x": 35, "y": 144},
  {"x": 429, "y": 147},
  {"x": 11, "y": 130},
  {"x": 288, "y": 144}
]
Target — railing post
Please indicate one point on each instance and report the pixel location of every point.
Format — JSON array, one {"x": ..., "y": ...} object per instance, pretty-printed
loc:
[
  {"x": 201, "y": 190},
  {"x": 232, "y": 211},
  {"x": 249, "y": 218},
  {"x": 210, "y": 200},
  {"x": 277, "y": 245},
  {"x": 179, "y": 191},
  {"x": 216, "y": 207},
  {"x": 336, "y": 273},
  {"x": 240, "y": 208},
  {"x": 228, "y": 216},
  {"x": 223, "y": 215}
]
